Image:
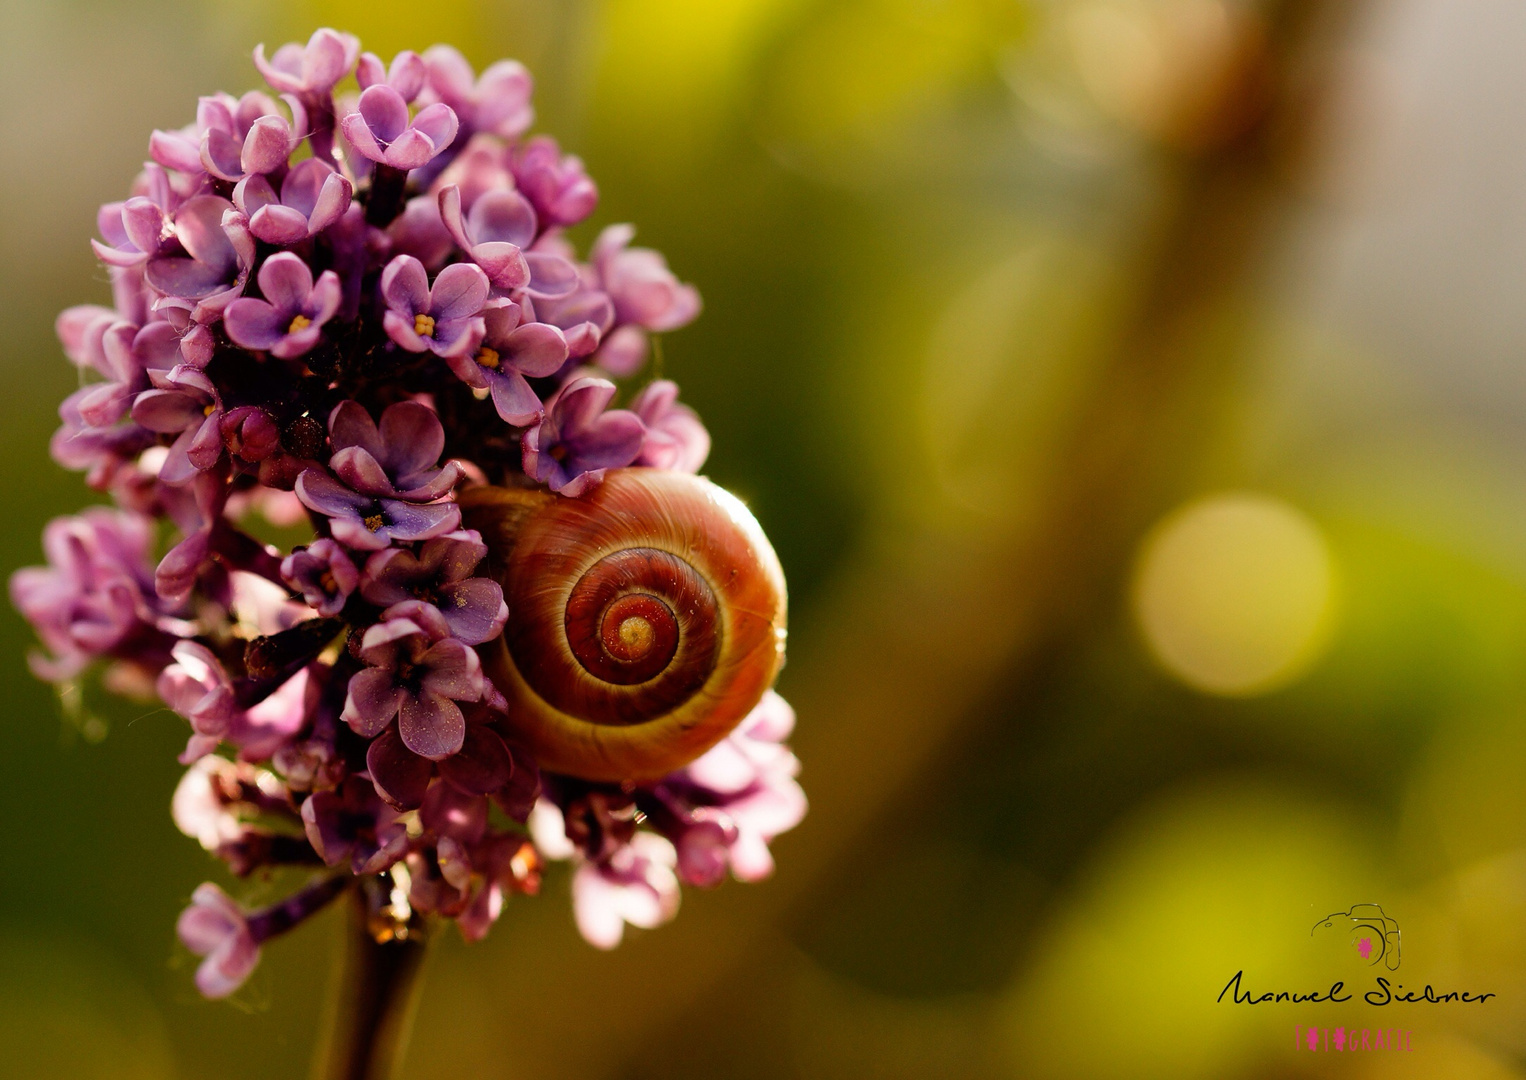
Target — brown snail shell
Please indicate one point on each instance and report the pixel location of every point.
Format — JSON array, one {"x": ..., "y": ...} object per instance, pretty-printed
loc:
[{"x": 646, "y": 619}]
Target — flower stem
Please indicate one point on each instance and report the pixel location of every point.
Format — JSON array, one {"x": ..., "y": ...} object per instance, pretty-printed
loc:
[
  {"x": 386, "y": 199},
  {"x": 377, "y": 989}
]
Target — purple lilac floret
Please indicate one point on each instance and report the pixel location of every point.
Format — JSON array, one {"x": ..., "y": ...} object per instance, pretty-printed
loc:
[
  {"x": 341, "y": 317},
  {"x": 232, "y": 139},
  {"x": 405, "y": 75},
  {"x": 557, "y": 186},
  {"x": 512, "y": 352},
  {"x": 500, "y": 225},
  {"x": 382, "y": 130},
  {"x": 416, "y": 675},
  {"x": 323, "y": 573},
  {"x": 311, "y": 197},
  {"x": 497, "y": 102},
  {"x": 313, "y": 69},
  {"x": 397, "y": 458},
  {"x": 578, "y": 440},
  {"x": 213, "y": 257},
  {"x": 289, "y": 320},
  {"x": 444, "y": 319},
  {"x": 472, "y": 608},
  {"x": 675, "y": 439},
  {"x": 368, "y": 523},
  {"x": 185, "y": 404}
]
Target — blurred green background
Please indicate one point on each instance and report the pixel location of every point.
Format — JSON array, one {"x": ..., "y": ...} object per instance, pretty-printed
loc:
[{"x": 1134, "y": 391}]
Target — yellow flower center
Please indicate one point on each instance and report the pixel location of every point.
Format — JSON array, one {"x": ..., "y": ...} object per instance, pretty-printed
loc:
[
  {"x": 209, "y": 410},
  {"x": 373, "y": 522},
  {"x": 423, "y": 325},
  {"x": 488, "y": 358},
  {"x": 299, "y": 322}
]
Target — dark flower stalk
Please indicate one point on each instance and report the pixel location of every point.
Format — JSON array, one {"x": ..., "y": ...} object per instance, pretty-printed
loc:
[{"x": 379, "y": 981}]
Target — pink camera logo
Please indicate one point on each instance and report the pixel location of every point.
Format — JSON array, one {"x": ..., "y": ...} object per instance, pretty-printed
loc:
[{"x": 1373, "y": 934}]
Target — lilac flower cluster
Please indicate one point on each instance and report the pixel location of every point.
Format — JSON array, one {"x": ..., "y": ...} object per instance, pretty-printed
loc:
[{"x": 340, "y": 311}]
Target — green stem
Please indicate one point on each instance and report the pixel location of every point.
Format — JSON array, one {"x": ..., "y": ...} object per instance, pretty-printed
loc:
[{"x": 377, "y": 989}]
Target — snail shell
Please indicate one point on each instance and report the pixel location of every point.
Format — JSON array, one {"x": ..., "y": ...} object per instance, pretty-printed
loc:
[{"x": 646, "y": 619}]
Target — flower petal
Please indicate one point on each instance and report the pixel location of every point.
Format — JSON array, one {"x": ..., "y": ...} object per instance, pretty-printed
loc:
[
  {"x": 431, "y": 725},
  {"x": 551, "y": 275},
  {"x": 503, "y": 216},
  {"x": 321, "y": 492},
  {"x": 411, "y": 437},
  {"x": 286, "y": 280},
  {"x": 459, "y": 292},
  {"x": 358, "y": 470},
  {"x": 267, "y": 146},
  {"x": 437, "y": 122},
  {"x": 474, "y": 609},
  {"x": 351, "y": 425},
  {"x": 483, "y": 764},
  {"x": 514, "y": 399},
  {"x": 372, "y": 701},
  {"x": 405, "y": 286},
  {"x": 384, "y": 111},
  {"x": 406, "y": 521},
  {"x": 454, "y": 670},
  {"x": 401, "y": 777}
]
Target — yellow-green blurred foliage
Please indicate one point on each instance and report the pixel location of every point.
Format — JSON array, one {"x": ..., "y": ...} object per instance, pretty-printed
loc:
[{"x": 1135, "y": 391}]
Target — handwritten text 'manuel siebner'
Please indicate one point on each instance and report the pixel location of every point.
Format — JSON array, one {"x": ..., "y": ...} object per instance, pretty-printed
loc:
[{"x": 1385, "y": 993}]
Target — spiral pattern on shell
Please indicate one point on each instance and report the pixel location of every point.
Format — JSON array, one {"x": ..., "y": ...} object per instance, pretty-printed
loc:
[{"x": 646, "y": 619}]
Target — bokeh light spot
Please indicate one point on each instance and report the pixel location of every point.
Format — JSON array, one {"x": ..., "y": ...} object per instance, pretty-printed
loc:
[{"x": 1235, "y": 593}]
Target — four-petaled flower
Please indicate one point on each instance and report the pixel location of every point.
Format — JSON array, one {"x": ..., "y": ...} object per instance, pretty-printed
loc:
[
  {"x": 577, "y": 440},
  {"x": 498, "y": 102},
  {"x": 406, "y": 75},
  {"x": 231, "y": 137},
  {"x": 352, "y": 825},
  {"x": 635, "y": 885},
  {"x": 380, "y": 129},
  {"x": 313, "y": 197},
  {"x": 115, "y": 355},
  {"x": 398, "y": 458},
  {"x": 95, "y": 592},
  {"x": 185, "y": 403},
  {"x": 511, "y": 350},
  {"x": 198, "y": 688},
  {"x": 251, "y": 139},
  {"x": 311, "y": 69},
  {"x": 289, "y": 321},
  {"x": 638, "y": 280},
  {"x": 558, "y": 187},
  {"x": 675, "y": 438},
  {"x": 416, "y": 674},
  {"x": 217, "y": 258},
  {"x": 133, "y": 231},
  {"x": 367, "y": 523},
  {"x": 750, "y": 778},
  {"x": 216, "y": 927},
  {"x": 494, "y": 233},
  {"x": 323, "y": 574},
  {"x": 472, "y": 607},
  {"x": 445, "y": 320},
  {"x": 389, "y": 477}
]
